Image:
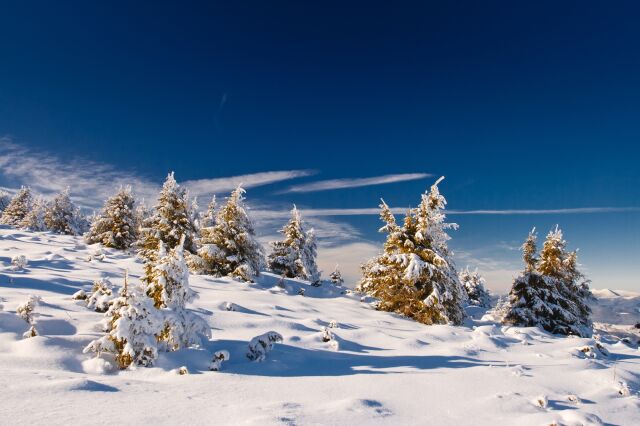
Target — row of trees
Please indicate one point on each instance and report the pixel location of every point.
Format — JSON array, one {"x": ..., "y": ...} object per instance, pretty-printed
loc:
[
  {"x": 25, "y": 211},
  {"x": 415, "y": 276}
]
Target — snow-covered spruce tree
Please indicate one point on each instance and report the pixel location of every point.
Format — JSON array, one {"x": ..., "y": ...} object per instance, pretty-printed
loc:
[
  {"x": 336, "y": 277},
  {"x": 116, "y": 225},
  {"x": 230, "y": 246},
  {"x": 295, "y": 255},
  {"x": 415, "y": 275},
  {"x": 551, "y": 293},
  {"x": 5, "y": 199},
  {"x": 34, "y": 220},
  {"x": 169, "y": 289},
  {"x": 18, "y": 207},
  {"x": 474, "y": 284},
  {"x": 63, "y": 217},
  {"x": 209, "y": 217},
  {"x": 132, "y": 324},
  {"x": 171, "y": 219}
]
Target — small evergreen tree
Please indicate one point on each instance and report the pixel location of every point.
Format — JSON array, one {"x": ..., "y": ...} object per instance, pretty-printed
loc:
[
  {"x": 336, "y": 277},
  {"x": 169, "y": 289},
  {"x": 18, "y": 208},
  {"x": 474, "y": 284},
  {"x": 5, "y": 199},
  {"x": 63, "y": 217},
  {"x": 551, "y": 292},
  {"x": 415, "y": 275},
  {"x": 171, "y": 220},
  {"x": 116, "y": 225},
  {"x": 230, "y": 246},
  {"x": 132, "y": 324},
  {"x": 209, "y": 217},
  {"x": 34, "y": 220},
  {"x": 295, "y": 255}
]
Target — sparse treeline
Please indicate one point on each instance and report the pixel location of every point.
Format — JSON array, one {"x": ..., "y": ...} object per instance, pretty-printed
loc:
[{"x": 59, "y": 215}]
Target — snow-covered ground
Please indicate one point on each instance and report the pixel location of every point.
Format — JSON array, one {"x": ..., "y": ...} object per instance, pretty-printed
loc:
[{"x": 380, "y": 368}]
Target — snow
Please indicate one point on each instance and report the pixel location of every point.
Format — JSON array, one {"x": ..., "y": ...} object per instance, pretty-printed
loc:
[{"x": 377, "y": 368}]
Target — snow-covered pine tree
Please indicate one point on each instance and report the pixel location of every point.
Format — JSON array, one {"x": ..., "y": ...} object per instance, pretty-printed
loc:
[
  {"x": 553, "y": 294},
  {"x": 5, "y": 199},
  {"x": 169, "y": 289},
  {"x": 230, "y": 246},
  {"x": 171, "y": 219},
  {"x": 415, "y": 275},
  {"x": 474, "y": 284},
  {"x": 63, "y": 217},
  {"x": 336, "y": 277},
  {"x": 132, "y": 324},
  {"x": 18, "y": 207},
  {"x": 295, "y": 255},
  {"x": 34, "y": 220},
  {"x": 209, "y": 217},
  {"x": 116, "y": 225}
]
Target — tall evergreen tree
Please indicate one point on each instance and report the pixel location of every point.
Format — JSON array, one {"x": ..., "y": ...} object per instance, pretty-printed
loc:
[
  {"x": 415, "y": 275},
  {"x": 116, "y": 225},
  {"x": 171, "y": 219},
  {"x": 551, "y": 293},
  {"x": 295, "y": 255},
  {"x": 63, "y": 216},
  {"x": 18, "y": 207},
  {"x": 230, "y": 246}
]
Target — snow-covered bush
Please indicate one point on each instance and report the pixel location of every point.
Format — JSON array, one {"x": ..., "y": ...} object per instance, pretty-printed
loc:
[
  {"x": 17, "y": 208},
  {"x": 19, "y": 262},
  {"x": 101, "y": 295},
  {"x": 415, "y": 275},
  {"x": 26, "y": 311},
  {"x": 62, "y": 216},
  {"x": 260, "y": 345},
  {"x": 132, "y": 324},
  {"x": 34, "y": 220},
  {"x": 551, "y": 293},
  {"x": 336, "y": 277},
  {"x": 79, "y": 295},
  {"x": 169, "y": 288},
  {"x": 327, "y": 336},
  {"x": 116, "y": 225},
  {"x": 230, "y": 247},
  {"x": 474, "y": 285},
  {"x": 218, "y": 358},
  {"x": 295, "y": 256}
]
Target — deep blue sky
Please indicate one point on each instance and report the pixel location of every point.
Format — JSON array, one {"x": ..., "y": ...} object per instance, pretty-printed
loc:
[{"x": 522, "y": 105}]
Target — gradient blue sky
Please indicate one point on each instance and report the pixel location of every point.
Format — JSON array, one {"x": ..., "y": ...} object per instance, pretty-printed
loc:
[{"x": 522, "y": 106}]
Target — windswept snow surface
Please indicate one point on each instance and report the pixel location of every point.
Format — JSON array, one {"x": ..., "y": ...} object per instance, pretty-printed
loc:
[{"x": 378, "y": 368}]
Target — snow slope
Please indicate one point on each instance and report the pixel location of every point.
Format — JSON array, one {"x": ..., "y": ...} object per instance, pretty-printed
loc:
[{"x": 384, "y": 370}]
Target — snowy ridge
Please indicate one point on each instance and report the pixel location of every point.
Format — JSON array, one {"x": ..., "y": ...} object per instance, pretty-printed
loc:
[{"x": 340, "y": 362}]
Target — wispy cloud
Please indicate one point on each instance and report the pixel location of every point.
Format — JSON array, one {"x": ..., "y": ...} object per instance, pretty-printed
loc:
[
  {"x": 402, "y": 210},
  {"x": 92, "y": 182},
  {"x": 200, "y": 187},
  {"x": 326, "y": 185}
]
